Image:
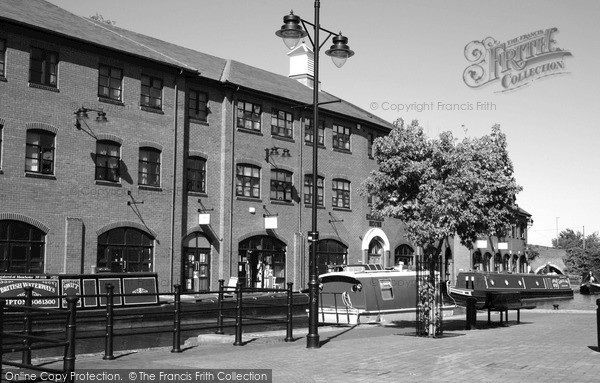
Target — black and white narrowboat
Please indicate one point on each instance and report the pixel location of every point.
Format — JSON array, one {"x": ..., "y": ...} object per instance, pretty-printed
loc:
[{"x": 590, "y": 283}]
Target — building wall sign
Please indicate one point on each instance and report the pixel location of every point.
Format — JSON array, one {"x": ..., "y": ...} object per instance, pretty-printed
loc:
[
  {"x": 374, "y": 221},
  {"x": 516, "y": 62}
]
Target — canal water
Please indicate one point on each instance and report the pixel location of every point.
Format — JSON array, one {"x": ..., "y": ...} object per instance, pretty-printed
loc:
[{"x": 579, "y": 302}]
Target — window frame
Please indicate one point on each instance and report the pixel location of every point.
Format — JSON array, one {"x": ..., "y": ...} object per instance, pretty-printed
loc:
[
  {"x": 308, "y": 131},
  {"x": 107, "y": 248},
  {"x": 308, "y": 190},
  {"x": 2, "y": 58},
  {"x": 251, "y": 116},
  {"x": 36, "y": 238},
  {"x": 107, "y": 170},
  {"x": 370, "y": 140},
  {"x": 342, "y": 193},
  {"x": 247, "y": 183},
  {"x": 47, "y": 69},
  {"x": 198, "y": 111},
  {"x": 147, "y": 97},
  {"x": 109, "y": 79},
  {"x": 201, "y": 172},
  {"x": 282, "y": 123},
  {"x": 40, "y": 150},
  {"x": 151, "y": 165},
  {"x": 281, "y": 189},
  {"x": 1, "y": 137},
  {"x": 341, "y": 137}
]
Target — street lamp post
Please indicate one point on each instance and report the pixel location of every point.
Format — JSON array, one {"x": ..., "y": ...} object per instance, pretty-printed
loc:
[{"x": 291, "y": 33}]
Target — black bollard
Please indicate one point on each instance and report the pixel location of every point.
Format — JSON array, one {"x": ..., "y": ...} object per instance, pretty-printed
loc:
[
  {"x": 177, "y": 320},
  {"x": 471, "y": 313},
  {"x": 598, "y": 323},
  {"x": 108, "y": 340},
  {"x": 26, "y": 356},
  {"x": 289, "y": 337},
  {"x": 238, "y": 316},
  {"x": 69, "y": 359},
  {"x": 220, "y": 307}
]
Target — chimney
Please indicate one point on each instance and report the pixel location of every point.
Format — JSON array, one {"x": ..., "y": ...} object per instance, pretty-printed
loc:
[{"x": 302, "y": 65}]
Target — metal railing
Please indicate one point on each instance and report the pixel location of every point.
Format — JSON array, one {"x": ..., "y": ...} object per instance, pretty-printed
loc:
[{"x": 30, "y": 342}]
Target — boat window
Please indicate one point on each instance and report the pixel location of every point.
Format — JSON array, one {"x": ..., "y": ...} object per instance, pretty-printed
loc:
[{"x": 385, "y": 286}]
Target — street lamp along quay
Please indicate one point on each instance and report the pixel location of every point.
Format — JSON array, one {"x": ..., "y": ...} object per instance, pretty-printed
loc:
[{"x": 291, "y": 32}]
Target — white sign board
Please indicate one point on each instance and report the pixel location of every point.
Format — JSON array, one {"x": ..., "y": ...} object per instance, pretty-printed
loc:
[
  {"x": 270, "y": 222},
  {"x": 481, "y": 244},
  {"x": 203, "y": 219},
  {"x": 502, "y": 245}
]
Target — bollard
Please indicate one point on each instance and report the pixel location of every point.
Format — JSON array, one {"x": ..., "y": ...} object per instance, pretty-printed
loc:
[
  {"x": 289, "y": 337},
  {"x": 238, "y": 316},
  {"x": 108, "y": 340},
  {"x": 26, "y": 356},
  {"x": 471, "y": 313},
  {"x": 177, "y": 320},
  {"x": 220, "y": 308},
  {"x": 598, "y": 323},
  {"x": 69, "y": 359}
]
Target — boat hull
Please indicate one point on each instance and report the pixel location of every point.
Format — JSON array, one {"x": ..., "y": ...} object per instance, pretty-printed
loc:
[{"x": 590, "y": 283}]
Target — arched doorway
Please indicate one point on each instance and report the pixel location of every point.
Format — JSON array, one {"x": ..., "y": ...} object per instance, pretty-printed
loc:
[
  {"x": 506, "y": 263},
  {"x": 196, "y": 262},
  {"x": 262, "y": 262},
  {"x": 125, "y": 249},
  {"x": 498, "y": 262},
  {"x": 477, "y": 261},
  {"x": 376, "y": 252},
  {"x": 21, "y": 247},
  {"x": 404, "y": 254},
  {"x": 487, "y": 262}
]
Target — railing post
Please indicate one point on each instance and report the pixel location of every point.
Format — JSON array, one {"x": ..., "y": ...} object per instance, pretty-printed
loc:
[
  {"x": 177, "y": 320},
  {"x": 108, "y": 340},
  {"x": 2, "y": 304},
  {"x": 238, "y": 316},
  {"x": 69, "y": 360},
  {"x": 598, "y": 323},
  {"x": 289, "y": 337},
  {"x": 220, "y": 307},
  {"x": 26, "y": 356}
]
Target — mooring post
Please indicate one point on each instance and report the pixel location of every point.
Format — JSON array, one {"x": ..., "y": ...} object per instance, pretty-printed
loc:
[
  {"x": 26, "y": 356},
  {"x": 177, "y": 320},
  {"x": 69, "y": 359},
  {"x": 471, "y": 313},
  {"x": 108, "y": 340},
  {"x": 289, "y": 337},
  {"x": 238, "y": 316},
  {"x": 220, "y": 307},
  {"x": 598, "y": 322}
]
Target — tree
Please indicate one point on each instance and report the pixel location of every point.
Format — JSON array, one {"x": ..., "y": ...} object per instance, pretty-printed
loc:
[
  {"x": 100, "y": 18},
  {"x": 439, "y": 188},
  {"x": 579, "y": 258},
  {"x": 443, "y": 187}
]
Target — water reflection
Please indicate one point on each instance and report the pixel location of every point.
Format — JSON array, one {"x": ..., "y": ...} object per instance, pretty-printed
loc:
[{"x": 578, "y": 302}]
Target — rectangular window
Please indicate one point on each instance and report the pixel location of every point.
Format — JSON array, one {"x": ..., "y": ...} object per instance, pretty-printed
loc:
[
  {"x": 370, "y": 138},
  {"x": 341, "y": 137},
  {"x": 110, "y": 82},
  {"x": 248, "y": 116},
  {"x": 308, "y": 190},
  {"x": 151, "y": 92},
  {"x": 247, "y": 181},
  {"x": 198, "y": 105},
  {"x": 281, "y": 123},
  {"x": 149, "y": 167},
  {"x": 196, "y": 174},
  {"x": 281, "y": 185},
  {"x": 308, "y": 131},
  {"x": 341, "y": 194},
  {"x": 2, "y": 58},
  {"x": 43, "y": 67},
  {"x": 108, "y": 160},
  {"x": 1, "y": 132},
  {"x": 39, "y": 155},
  {"x": 387, "y": 292}
]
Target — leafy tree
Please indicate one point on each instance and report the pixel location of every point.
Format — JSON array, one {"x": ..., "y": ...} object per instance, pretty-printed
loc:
[
  {"x": 579, "y": 260},
  {"x": 100, "y": 18}
]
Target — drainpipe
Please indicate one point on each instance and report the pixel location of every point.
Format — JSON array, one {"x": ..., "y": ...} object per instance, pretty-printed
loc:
[
  {"x": 174, "y": 188},
  {"x": 234, "y": 99}
]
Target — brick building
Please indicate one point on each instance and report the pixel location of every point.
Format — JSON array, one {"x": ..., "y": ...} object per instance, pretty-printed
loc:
[{"x": 188, "y": 165}]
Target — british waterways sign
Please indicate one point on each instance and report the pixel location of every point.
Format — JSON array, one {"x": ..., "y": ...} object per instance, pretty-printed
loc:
[{"x": 45, "y": 291}]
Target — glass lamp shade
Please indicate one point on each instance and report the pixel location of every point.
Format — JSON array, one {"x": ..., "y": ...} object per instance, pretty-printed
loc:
[
  {"x": 339, "y": 51},
  {"x": 291, "y": 32}
]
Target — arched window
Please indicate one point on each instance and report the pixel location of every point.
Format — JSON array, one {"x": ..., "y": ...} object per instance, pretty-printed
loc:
[
  {"x": 375, "y": 256},
  {"x": 39, "y": 154},
  {"x": 498, "y": 262},
  {"x": 125, "y": 249},
  {"x": 281, "y": 185},
  {"x": 247, "y": 181},
  {"x": 149, "y": 167},
  {"x": 108, "y": 160},
  {"x": 404, "y": 254},
  {"x": 330, "y": 253},
  {"x": 196, "y": 174},
  {"x": 262, "y": 262},
  {"x": 477, "y": 261},
  {"x": 21, "y": 248}
]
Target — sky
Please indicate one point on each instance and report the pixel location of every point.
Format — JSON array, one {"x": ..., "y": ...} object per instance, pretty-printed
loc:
[{"x": 409, "y": 63}]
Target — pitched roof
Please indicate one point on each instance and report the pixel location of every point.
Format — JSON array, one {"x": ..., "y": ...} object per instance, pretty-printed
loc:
[{"x": 42, "y": 15}]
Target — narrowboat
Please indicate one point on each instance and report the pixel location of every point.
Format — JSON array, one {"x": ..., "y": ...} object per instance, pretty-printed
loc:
[
  {"x": 368, "y": 294},
  {"x": 590, "y": 283},
  {"x": 478, "y": 285}
]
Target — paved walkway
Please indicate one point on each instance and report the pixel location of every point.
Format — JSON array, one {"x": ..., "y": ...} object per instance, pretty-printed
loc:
[{"x": 546, "y": 347}]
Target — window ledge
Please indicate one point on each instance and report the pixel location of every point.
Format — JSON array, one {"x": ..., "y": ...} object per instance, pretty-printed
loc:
[
  {"x": 151, "y": 109},
  {"x": 342, "y": 209},
  {"x": 278, "y": 202},
  {"x": 310, "y": 144},
  {"x": 44, "y": 87},
  {"x": 308, "y": 205},
  {"x": 108, "y": 183},
  {"x": 244, "y": 130},
  {"x": 197, "y": 194},
  {"x": 111, "y": 101},
  {"x": 198, "y": 121},
  {"x": 40, "y": 175},
  {"x": 150, "y": 188},
  {"x": 342, "y": 150},
  {"x": 3, "y": 79},
  {"x": 282, "y": 138},
  {"x": 249, "y": 199}
]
